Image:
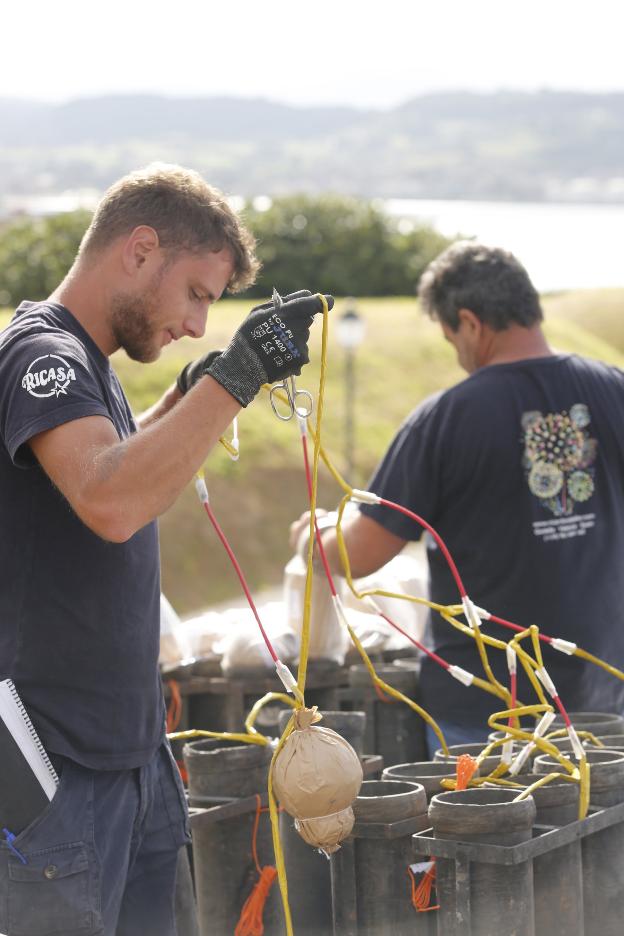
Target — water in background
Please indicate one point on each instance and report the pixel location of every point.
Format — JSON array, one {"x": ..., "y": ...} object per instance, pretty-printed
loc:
[{"x": 562, "y": 246}]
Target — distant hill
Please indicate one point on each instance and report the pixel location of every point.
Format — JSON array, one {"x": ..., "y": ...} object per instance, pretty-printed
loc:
[{"x": 519, "y": 146}]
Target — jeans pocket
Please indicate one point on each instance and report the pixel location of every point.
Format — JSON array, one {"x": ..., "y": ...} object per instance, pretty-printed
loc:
[
  {"x": 52, "y": 894},
  {"x": 180, "y": 791}
]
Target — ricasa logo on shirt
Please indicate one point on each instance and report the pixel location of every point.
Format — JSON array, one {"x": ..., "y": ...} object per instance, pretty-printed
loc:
[{"x": 47, "y": 376}]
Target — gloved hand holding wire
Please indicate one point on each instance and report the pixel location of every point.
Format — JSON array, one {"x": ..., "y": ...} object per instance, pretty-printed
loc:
[
  {"x": 268, "y": 346},
  {"x": 190, "y": 374}
]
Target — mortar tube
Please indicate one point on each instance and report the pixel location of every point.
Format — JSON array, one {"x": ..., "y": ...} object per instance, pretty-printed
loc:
[
  {"x": 501, "y": 896},
  {"x": 603, "y": 862}
]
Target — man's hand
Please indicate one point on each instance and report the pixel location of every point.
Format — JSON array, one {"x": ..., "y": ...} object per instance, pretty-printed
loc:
[
  {"x": 268, "y": 346},
  {"x": 190, "y": 374}
]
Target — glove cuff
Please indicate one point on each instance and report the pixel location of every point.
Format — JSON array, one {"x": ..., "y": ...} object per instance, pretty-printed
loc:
[{"x": 239, "y": 370}]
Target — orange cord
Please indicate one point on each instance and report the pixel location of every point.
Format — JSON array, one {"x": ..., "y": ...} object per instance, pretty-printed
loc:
[
  {"x": 174, "y": 712},
  {"x": 250, "y": 921},
  {"x": 421, "y": 893}
]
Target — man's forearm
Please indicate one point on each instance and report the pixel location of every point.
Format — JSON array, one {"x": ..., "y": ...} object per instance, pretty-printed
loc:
[
  {"x": 144, "y": 474},
  {"x": 166, "y": 403}
]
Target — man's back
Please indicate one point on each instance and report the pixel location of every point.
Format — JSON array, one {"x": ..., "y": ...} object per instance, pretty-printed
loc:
[{"x": 520, "y": 469}]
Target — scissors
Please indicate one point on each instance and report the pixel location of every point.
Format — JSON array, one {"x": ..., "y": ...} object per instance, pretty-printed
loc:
[{"x": 300, "y": 402}]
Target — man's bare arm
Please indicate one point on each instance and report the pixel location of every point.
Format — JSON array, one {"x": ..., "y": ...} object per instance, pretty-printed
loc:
[
  {"x": 159, "y": 409},
  {"x": 369, "y": 545},
  {"x": 115, "y": 486}
]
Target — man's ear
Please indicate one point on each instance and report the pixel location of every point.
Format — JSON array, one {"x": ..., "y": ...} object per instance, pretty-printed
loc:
[
  {"x": 472, "y": 323},
  {"x": 139, "y": 248}
]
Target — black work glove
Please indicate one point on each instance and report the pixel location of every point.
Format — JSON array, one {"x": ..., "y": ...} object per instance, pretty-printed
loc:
[
  {"x": 190, "y": 374},
  {"x": 268, "y": 346}
]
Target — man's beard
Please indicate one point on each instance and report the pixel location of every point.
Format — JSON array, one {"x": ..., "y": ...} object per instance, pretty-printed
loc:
[{"x": 132, "y": 326}]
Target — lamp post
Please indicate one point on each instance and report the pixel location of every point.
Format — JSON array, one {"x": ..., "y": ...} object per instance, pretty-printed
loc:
[{"x": 350, "y": 333}]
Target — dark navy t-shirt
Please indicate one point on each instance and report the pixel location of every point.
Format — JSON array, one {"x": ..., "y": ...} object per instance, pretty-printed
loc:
[
  {"x": 520, "y": 468},
  {"x": 79, "y": 631}
]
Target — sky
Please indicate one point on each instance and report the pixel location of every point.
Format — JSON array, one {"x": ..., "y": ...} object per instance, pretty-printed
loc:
[{"x": 351, "y": 52}]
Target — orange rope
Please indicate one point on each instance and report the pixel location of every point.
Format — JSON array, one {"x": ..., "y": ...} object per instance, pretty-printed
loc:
[
  {"x": 250, "y": 921},
  {"x": 174, "y": 712},
  {"x": 421, "y": 893},
  {"x": 465, "y": 768}
]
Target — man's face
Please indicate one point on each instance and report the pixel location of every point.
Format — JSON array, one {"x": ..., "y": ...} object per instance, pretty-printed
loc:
[{"x": 174, "y": 303}]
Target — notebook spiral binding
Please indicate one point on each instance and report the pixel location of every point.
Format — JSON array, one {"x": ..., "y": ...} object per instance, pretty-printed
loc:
[{"x": 31, "y": 730}]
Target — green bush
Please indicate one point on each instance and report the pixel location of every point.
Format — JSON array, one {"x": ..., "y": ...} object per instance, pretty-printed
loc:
[
  {"x": 36, "y": 253},
  {"x": 341, "y": 245}
]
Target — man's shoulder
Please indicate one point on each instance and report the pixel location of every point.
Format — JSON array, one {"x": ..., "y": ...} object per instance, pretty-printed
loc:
[{"x": 37, "y": 328}]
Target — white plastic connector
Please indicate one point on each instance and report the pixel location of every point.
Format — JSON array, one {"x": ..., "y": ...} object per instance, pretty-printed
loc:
[
  {"x": 577, "y": 747},
  {"x": 303, "y": 424},
  {"x": 202, "y": 490},
  {"x": 340, "y": 611},
  {"x": 365, "y": 497},
  {"x": 512, "y": 661},
  {"x": 507, "y": 753},
  {"x": 370, "y": 601},
  {"x": 521, "y": 759},
  {"x": 564, "y": 646},
  {"x": 288, "y": 680},
  {"x": 546, "y": 681},
  {"x": 235, "y": 443},
  {"x": 544, "y": 724},
  {"x": 483, "y": 614},
  {"x": 421, "y": 867},
  {"x": 461, "y": 674},
  {"x": 471, "y": 613}
]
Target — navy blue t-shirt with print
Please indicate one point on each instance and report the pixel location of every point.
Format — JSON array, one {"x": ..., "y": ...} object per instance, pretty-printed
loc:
[
  {"x": 520, "y": 468},
  {"x": 79, "y": 631}
]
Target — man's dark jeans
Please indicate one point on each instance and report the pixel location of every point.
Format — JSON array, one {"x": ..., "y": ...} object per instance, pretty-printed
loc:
[{"x": 101, "y": 858}]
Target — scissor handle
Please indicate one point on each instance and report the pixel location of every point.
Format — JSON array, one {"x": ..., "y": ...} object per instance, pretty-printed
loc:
[
  {"x": 273, "y": 399},
  {"x": 305, "y": 410}
]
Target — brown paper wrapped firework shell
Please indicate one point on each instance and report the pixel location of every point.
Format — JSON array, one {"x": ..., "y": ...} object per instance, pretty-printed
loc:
[
  {"x": 327, "y": 832},
  {"x": 316, "y": 777}
]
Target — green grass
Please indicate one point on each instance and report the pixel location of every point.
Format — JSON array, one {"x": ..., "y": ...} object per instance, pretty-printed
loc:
[{"x": 403, "y": 359}]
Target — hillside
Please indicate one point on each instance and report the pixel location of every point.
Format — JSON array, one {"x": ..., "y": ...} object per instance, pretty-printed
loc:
[{"x": 516, "y": 146}]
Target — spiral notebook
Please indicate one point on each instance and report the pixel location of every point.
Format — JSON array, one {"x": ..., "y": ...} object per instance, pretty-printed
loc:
[{"x": 28, "y": 781}]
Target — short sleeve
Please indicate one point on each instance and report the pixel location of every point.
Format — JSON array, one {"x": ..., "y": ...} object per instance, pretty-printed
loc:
[
  {"x": 409, "y": 474},
  {"x": 47, "y": 380}
]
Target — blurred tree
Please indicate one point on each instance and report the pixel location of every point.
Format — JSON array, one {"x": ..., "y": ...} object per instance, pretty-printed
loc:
[
  {"x": 36, "y": 253},
  {"x": 342, "y": 245},
  {"x": 338, "y": 244}
]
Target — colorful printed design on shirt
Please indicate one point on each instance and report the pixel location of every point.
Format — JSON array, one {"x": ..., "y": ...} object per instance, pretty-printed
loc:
[{"x": 559, "y": 456}]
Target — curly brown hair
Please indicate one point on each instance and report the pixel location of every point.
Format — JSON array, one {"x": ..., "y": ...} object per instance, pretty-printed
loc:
[{"x": 186, "y": 212}]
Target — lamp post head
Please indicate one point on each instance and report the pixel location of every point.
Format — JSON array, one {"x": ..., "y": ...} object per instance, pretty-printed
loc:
[{"x": 350, "y": 328}]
